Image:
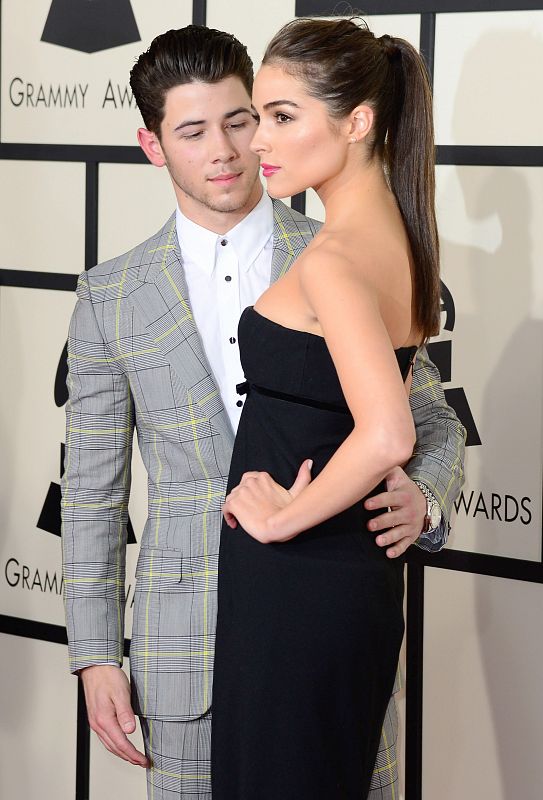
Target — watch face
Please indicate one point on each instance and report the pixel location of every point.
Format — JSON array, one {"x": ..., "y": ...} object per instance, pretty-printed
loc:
[{"x": 435, "y": 515}]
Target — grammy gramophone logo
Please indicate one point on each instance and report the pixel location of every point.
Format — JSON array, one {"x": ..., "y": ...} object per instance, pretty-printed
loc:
[
  {"x": 90, "y": 25},
  {"x": 50, "y": 520}
]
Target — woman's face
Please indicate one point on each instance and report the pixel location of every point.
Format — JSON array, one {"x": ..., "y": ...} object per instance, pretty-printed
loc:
[{"x": 297, "y": 142}]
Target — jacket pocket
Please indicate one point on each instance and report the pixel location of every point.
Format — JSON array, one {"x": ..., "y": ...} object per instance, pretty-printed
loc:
[{"x": 159, "y": 570}]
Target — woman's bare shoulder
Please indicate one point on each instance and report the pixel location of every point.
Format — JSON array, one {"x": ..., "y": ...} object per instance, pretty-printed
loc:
[
  {"x": 337, "y": 272},
  {"x": 328, "y": 254}
]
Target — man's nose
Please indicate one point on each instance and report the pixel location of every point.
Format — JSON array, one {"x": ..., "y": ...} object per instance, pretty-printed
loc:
[{"x": 222, "y": 147}]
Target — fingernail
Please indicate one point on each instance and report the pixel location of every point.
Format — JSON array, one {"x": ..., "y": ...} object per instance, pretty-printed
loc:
[{"x": 309, "y": 463}]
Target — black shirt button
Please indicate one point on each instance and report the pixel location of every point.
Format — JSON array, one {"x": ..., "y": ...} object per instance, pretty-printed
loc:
[
  {"x": 232, "y": 340},
  {"x": 239, "y": 403},
  {"x": 228, "y": 278},
  {"x": 224, "y": 242}
]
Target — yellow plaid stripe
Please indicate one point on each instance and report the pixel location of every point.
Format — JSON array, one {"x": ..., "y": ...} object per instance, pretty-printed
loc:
[{"x": 205, "y": 546}]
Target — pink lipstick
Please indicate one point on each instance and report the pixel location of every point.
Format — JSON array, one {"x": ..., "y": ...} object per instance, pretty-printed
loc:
[{"x": 269, "y": 169}]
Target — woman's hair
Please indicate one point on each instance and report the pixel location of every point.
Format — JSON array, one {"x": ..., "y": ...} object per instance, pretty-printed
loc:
[
  {"x": 187, "y": 55},
  {"x": 345, "y": 65}
]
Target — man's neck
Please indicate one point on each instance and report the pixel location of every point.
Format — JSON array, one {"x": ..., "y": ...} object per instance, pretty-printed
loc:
[{"x": 219, "y": 222}]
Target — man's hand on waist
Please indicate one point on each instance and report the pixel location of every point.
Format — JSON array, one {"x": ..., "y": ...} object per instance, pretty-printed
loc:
[{"x": 404, "y": 521}]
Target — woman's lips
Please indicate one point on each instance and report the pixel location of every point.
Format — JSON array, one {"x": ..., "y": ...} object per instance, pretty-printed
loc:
[{"x": 269, "y": 169}]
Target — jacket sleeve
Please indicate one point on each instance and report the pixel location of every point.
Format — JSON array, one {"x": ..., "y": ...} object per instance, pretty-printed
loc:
[
  {"x": 438, "y": 457},
  {"x": 95, "y": 491}
]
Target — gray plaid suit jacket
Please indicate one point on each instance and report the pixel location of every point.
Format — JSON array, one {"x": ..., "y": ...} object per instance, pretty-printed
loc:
[{"x": 136, "y": 362}]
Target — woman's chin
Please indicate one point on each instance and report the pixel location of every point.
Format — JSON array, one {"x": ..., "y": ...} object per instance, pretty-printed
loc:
[
  {"x": 277, "y": 195},
  {"x": 279, "y": 192}
]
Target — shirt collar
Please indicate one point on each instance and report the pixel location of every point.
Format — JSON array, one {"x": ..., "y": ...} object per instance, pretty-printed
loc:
[
  {"x": 248, "y": 238},
  {"x": 197, "y": 244},
  {"x": 251, "y": 235}
]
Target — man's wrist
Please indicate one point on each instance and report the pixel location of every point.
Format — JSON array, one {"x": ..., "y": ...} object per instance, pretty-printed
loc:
[
  {"x": 90, "y": 667},
  {"x": 434, "y": 541},
  {"x": 433, "y": 517}
]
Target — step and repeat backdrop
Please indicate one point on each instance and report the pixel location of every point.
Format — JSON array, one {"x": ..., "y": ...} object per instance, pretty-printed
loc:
[{"x": 75, "y": 190}]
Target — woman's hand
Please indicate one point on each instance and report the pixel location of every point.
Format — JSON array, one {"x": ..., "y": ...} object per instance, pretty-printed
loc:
[{"x": 257, "y": 498}]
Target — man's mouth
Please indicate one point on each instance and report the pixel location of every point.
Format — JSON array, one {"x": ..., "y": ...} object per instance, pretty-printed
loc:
[{"x": 225, "y": 178}]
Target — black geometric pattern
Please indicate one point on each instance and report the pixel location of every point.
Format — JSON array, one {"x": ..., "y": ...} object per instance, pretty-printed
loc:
[{"x": 90, "y": 25}]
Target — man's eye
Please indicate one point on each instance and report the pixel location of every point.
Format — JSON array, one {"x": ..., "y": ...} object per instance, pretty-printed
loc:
[
  {"x": 238, "y": 125},
  {"x": 193, "y": 135}
]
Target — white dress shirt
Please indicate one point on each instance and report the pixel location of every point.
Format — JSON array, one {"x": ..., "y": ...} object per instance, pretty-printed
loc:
[{"x": 224, "y": 274}]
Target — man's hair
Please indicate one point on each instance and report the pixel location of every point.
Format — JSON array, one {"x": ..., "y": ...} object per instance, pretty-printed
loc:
[{"x": 190, "y": 54}]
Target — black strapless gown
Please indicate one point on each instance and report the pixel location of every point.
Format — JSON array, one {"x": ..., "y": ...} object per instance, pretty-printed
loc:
[{"x": 309, "y": 630}]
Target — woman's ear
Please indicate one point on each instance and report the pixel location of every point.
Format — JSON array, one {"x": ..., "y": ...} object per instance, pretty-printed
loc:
[{"x": 360, "y": 123}]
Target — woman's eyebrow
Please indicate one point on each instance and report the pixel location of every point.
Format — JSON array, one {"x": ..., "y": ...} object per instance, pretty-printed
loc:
[{"x": 275, "y": 103}]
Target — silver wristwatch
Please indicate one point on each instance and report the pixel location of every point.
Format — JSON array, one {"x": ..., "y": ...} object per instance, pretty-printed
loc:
[{"x": 433, "y": 509}]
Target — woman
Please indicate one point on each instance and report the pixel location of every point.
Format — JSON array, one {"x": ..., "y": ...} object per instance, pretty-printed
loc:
[{"x": 310, "y": 608}]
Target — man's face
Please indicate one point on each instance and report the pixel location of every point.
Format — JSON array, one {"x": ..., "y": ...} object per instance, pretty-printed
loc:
[{"x": 205, "y": 136}]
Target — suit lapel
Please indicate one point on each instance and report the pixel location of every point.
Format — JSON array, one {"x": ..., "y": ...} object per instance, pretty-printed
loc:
[
  {"x": 163, "y": 300},
  {"x": 292, "y": 232}
]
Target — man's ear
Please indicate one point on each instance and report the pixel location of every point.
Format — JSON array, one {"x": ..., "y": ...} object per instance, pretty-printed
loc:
[{"x": 150, "y": 144}]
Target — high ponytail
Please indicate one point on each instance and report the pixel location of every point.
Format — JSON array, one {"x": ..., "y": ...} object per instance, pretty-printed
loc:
[
  {"x": 408, "y": 155},
  {"x": 344, "y": 65}
]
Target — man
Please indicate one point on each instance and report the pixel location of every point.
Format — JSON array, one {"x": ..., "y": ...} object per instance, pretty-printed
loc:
[{"x": 153, "y": 346}]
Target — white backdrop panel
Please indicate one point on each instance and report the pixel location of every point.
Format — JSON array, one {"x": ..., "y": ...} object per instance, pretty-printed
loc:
[
  {"x": 42, "y": 216},
  {"x": 488, "y": 80},
  {"x": 38, "y": 698},
  {"x": 483, "y": 710},
  {"x": 250, "y": 22},
  {"x": 33, "y": 327},
  {"x": 86, "y": 96},
  {"x": 134, "y": 202},
  {"x": 492, "y": 250}
]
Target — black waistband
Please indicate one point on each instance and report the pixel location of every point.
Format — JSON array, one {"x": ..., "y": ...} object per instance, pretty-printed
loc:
[{"x": 246, "y": 387}]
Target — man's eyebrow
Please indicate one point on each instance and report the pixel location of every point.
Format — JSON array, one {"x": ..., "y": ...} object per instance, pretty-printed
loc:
[
  {"x": 240, "y": 110},
  {"x": 188, "y": 123},
  {"x": 276, "y": 103},
  {"x": 228, "y": 115}
]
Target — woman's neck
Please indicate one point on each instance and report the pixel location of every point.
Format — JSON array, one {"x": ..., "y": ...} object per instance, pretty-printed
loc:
[{"x": 348, "y": 192}]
